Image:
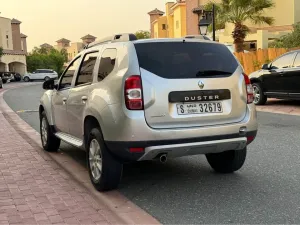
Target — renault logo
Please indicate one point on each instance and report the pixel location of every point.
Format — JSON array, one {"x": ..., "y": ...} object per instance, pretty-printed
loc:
[{"x": 201, "y": 84}]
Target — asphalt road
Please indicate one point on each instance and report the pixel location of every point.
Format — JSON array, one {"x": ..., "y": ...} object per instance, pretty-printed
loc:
[{"x": 186, "y": 190}]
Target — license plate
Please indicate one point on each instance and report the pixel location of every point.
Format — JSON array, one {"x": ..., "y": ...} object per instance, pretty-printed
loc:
[{"x": 199, "y": 108}]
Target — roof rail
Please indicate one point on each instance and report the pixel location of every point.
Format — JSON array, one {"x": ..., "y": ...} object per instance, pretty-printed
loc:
[{"x": 114, "y": 38}]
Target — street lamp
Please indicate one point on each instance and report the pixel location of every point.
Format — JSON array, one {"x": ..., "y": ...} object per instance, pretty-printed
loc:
[
  {"x": 204, "y": 22},
  {"x": 203, "y": 25}
]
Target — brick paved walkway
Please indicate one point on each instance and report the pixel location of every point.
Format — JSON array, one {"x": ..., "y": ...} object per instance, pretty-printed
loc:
[
  {"x": 35, "y": 190},
  {"x": 281, "y": 106}
]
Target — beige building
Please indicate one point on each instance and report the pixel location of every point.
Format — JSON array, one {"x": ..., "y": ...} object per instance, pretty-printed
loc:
[
  {"x": 184, "y": 16},
  {"x": 73, "y": 48},
  {"x": 14, "y": 46}
]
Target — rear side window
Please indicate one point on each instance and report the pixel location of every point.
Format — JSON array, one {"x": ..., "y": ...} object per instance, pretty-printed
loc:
[
  {"x": 85, "y": 74},
  {"x": 107, "y": 63},
  {"x": 183, "y": 60}
]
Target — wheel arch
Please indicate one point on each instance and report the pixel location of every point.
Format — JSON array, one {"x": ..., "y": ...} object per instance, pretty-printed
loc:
[
  {"x": 90, "y": 122},
  {"x": 45, "y": 105},
  {"x": 255, "y": 80}
]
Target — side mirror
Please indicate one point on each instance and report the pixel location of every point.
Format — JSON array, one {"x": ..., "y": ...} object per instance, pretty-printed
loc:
[
  {"x": 49, "y": 85},
  {"x": 265, "y": 67}
]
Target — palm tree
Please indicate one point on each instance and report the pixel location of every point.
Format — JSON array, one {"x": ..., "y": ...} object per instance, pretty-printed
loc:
[{"x": 238, "y": 12}]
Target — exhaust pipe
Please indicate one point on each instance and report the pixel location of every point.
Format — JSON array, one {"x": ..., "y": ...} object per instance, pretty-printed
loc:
[{"x": 163, "y": 158}]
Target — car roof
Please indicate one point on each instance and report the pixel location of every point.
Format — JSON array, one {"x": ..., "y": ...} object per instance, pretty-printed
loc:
[
  {"x": 174, "y": 40},
  {"x": 155, "y": 40}
]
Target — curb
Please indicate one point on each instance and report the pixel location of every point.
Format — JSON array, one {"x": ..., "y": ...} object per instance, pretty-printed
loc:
[{"x": 119, "y": 209}]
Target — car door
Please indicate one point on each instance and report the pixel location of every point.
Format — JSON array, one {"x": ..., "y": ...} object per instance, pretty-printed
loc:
[
  {"x": 78, "y": 97},
  {"x": 292, "y": 78},
  {"x": 35, "y": 75},
  {"x": 60, "y": 97},
  {"x": 43, "y": 74},
  {"x": 275, "y": 80}
]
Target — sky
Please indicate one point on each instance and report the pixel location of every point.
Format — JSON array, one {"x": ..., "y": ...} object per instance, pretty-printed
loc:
[{"x": 46, "y": 21}]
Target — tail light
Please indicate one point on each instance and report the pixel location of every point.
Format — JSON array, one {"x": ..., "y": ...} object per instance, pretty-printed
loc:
[
  {"x": 249, "y": 89},
  {"x": 133, "y": 93}
]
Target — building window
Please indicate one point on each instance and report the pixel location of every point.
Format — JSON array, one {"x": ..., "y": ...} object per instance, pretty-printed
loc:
[
  {"x": 252, "y": 45},
  {"x": 164, "y": 26},
  {"x": 7, "y": 41},
  {"x": 177, "y": 24}
]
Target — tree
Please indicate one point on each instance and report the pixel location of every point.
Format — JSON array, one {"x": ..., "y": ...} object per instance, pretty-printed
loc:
[
  {"x": 238, "y": 12},
  {"x": 42, "y": 58},
  {"x": 291, "y": 40},
  {"x": 142, "y": 34}
]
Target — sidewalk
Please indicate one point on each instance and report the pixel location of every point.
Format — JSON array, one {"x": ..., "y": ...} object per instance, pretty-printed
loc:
[
  {"x": 287, "y": 107},
  {"x": 35, "y": 188}
]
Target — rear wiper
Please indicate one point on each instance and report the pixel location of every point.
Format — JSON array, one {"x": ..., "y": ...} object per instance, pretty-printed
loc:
[{"x": 211, "y": 73}]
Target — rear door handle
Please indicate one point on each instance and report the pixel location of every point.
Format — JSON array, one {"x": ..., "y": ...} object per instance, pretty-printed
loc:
[
  {"x": 84, "y": 99},
  {"x": 64, "y": 100}
]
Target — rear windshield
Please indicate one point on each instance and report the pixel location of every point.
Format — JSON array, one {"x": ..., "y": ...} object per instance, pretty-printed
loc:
[{"x": 177, "y": 60}]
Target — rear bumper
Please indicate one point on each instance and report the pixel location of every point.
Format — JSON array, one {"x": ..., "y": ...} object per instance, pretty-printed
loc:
[{"x": 179, "y": 147}]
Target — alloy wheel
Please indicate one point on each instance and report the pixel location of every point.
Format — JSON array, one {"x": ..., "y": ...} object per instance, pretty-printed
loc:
[
  {"x": 95, "y": 160},
  {"x": 256, "y": 94},
  {"x": 44, "y": 132}
]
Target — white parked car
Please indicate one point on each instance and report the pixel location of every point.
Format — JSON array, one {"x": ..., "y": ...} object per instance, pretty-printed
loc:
[{"x": 41, "y": 74}]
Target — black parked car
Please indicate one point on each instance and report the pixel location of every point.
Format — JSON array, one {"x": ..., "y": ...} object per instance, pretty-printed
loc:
[
  {"x": 5, "y": 76},
  {"x": 12, "y": 76},
  {"x": 17, "y": 76},
  {"x": 279, "y": 79}
]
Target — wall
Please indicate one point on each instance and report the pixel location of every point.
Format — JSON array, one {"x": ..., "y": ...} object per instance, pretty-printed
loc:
[
  {"x": 155, "y": 29},
  {"x": 179, "y": 20},
  {"x": 74, "y": 49},
  {"x": 16, "y": 36},
  {"x": 183, "y": 20},
  {"x": 192, "y": 19},
  {"x": 24, "y": 45},
  {"x": 297, "y": 10},
  {"x": 162, "y": 33},
  {"x": 5, "y": 29},
  {"x": 283, "y": 13},
  {"x": 170, "y": 20},
  {"x": 152, "y": 19},
  {"x": 20, "y": 66}
]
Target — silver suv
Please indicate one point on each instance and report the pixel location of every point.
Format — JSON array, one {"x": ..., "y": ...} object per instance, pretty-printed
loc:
[{"x": 125, "y": 100}]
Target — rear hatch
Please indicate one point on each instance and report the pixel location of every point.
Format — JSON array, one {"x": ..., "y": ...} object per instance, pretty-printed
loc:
[{"x": 190, "y": 84}]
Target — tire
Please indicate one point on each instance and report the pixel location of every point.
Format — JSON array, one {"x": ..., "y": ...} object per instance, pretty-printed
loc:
[
  {"x": 26, "y": 79},
  {"x": 47, "y": 78},
  {"x": 227, "y": 162},
  {"x": 4, "y": 81},
  {"x": 259, "y": 97},
  {"x": 50, "y": 142},
  {"x": 1, "y": 86},
  {"x": 101, "y": 159}
]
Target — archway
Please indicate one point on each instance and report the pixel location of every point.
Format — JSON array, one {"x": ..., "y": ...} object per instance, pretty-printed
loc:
[
  {"x": 2, "y": 67},
  {"x": 17, "y": 67}
]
